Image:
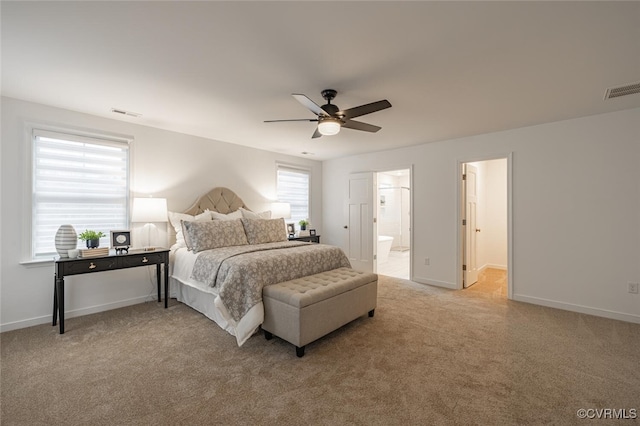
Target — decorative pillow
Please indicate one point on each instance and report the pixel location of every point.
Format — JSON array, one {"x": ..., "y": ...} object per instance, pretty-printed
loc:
[
  {"x": 177, "y": 218},
  {"x": 261, "y": 231},
  {"x": 213, "y": 234},
  {"x": 231, "y": 216},
  {"x": 248, "y": 214}
]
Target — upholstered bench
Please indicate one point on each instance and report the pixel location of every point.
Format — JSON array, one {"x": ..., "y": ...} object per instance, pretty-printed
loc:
[{"x": 305, "y": 309}]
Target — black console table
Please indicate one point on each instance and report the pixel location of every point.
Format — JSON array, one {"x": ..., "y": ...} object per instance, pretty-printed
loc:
[
  {"x": 310, "y": 238},
  {"x": 66, "y": 267}
]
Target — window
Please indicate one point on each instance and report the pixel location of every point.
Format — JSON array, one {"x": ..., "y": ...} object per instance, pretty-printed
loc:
[
  {"x": 77, "y": 180},
  {"x": 293, "y": 188}
]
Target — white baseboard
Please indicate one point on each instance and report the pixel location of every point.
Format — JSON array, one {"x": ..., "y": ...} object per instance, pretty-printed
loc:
[
  {"x": 578, "y": 308},
  {"x": 436, "y": 283},
  {"x": 493, "y": 266},
  {"x": 74, "y": 313}
]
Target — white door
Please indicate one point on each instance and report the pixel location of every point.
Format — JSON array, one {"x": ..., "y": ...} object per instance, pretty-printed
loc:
[
  {"x": 360, "y": 227},
  {"x": 470, "y": 228}
]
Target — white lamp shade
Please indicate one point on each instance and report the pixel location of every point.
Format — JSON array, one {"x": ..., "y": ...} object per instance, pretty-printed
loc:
[
  {"x": 149, "y": 210},
  {"x": 280, "y": 210},
  {"x": 329, "y": 127}
]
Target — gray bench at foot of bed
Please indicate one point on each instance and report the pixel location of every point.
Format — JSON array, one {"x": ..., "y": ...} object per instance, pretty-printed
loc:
[{"x": 305, "y": 309}]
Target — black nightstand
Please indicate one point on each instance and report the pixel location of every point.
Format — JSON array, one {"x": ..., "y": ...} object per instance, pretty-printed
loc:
[
  {"x": 66, "y": 267},
  {"x": 310, "y": 238}
]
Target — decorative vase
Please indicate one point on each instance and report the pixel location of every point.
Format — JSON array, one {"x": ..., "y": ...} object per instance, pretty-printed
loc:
[
  {"x": 93, "y": 243},
  {"x": 66, "y": 239}
]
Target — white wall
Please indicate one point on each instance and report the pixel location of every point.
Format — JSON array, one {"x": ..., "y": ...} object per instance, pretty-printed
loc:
[
  {"x": 496, "y": 214},
  {"x": 576, "y": 209},
  {"x": 164, "y": 164}
]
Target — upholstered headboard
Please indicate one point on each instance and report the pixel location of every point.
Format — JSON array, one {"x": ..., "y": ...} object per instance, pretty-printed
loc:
[{"x": 221, "y": 200}]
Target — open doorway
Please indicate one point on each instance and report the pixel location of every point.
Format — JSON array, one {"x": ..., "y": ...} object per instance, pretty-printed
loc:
[
  {"x": 394, "y": 223},
  {"x": 485, "y": 239}
]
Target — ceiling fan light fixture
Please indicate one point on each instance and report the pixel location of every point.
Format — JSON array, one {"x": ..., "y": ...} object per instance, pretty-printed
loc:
[
  {"x": 329, "y": 127},
  {"x": 331, "y": 119}
]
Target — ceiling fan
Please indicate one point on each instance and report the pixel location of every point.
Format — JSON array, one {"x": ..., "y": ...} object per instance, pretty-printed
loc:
[{"x": 331, "y": 119}]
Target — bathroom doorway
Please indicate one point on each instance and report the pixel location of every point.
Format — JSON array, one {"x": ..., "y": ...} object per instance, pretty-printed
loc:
[{"x": 394, "y": 223}]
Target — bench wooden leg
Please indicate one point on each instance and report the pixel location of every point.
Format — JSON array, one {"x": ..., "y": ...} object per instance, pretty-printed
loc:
[
  {"x": 371, "y": 313},
  {"x": 268, "y": 335},
  {"x": 300, "y": 352}
]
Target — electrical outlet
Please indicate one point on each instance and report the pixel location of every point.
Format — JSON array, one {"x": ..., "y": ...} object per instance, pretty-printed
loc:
[
  {"x": 633, "y": 288},
  {"x": 427, "y": 261}
]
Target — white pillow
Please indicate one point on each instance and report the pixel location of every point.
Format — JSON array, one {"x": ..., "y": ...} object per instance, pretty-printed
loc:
[
  {"x": 231, "y": 216},
  {"x": 248, "y": 214},
  {"x": 176, "y": 221}
]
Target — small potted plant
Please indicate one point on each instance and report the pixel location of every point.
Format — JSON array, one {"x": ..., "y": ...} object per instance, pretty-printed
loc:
[
  {"x": 303, "y": 224},
  {"x": 91, "y": 237}
]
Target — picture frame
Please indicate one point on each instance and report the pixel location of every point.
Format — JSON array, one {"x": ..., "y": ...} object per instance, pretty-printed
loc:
[
  {"x": 312, "y": 232},
  {"x": 291, "y": 229},
  {"x": 121, "y": 241}
]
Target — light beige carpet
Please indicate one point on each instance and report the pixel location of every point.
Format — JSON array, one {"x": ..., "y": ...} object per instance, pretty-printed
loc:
[{"x": 429, "y": 356}]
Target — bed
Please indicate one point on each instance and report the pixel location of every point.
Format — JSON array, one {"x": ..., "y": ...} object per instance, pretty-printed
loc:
[{"x": 223, "y": 254}]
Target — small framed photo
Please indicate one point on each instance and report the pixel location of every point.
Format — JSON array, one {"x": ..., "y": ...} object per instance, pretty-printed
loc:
[
  {"x": 291, "y": 228},
  {"x": 121, "y": 241},
  {"x": 312, "y": 232}
]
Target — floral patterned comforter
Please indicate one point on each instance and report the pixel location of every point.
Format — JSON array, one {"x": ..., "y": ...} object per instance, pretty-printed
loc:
[{"x": 240, "y": 272}]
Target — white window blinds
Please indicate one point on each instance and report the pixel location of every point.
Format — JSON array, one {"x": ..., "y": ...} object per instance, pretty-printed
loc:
[
  {"x": 293, "y": 188},
  {"x": 80, "y": 181}
]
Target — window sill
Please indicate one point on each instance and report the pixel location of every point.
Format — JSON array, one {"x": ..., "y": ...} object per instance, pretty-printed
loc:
[{"x": 37, "y": 263}]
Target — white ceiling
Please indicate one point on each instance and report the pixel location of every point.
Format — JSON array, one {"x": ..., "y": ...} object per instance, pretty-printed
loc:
[{"x": 219, "y": 69}]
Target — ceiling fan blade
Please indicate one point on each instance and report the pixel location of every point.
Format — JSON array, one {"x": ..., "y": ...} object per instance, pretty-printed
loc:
[
  {"x": 309, "y": 104},
  {"x": 294, "y": 119},
  {"x": 358, "y": 125},
  {"x": 316, "y": 134},
  {"x": 365, "y": 109}
]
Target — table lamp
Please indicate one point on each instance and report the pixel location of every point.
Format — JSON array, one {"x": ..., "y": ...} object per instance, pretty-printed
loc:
[
  {"x": 149, "y": 211},
  {"x": 280, "y": 210}
]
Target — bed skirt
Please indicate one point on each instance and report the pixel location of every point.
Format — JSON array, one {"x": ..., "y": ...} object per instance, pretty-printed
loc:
[{"x": 203, "y": 299}]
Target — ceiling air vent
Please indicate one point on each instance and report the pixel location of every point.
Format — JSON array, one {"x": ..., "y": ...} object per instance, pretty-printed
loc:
[
  {"x": 123, "y": 112},
  {"x": 627, "y": 89}
]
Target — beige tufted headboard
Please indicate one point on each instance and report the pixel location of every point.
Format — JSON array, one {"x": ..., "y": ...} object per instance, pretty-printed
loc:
[{"x": 221, "y": 200}]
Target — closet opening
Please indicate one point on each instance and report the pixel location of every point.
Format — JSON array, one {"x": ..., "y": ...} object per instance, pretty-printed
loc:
[{"x": 485, "y": 251}]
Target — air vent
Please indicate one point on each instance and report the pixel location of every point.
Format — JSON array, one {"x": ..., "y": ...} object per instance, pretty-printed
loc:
[
  {"x": 627, "y": 89},
  {"x": 123, "y": 112}
]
